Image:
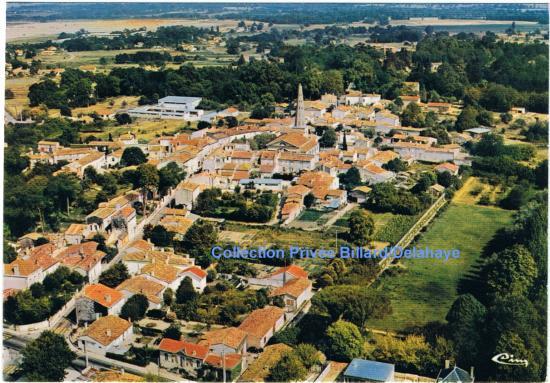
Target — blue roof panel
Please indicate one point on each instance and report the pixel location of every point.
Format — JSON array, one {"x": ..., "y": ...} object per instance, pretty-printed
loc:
[{"x": 369, "y": 370}]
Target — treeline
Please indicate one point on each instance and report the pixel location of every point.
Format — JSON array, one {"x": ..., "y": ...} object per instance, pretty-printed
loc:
[
  {"x": 143, "y": 57},
  {"x": 483, "y": 71},
  {"x": 502, "y": 308},
  {"x": 320, "y": 70},
  {"x": 169, "y": 36}
]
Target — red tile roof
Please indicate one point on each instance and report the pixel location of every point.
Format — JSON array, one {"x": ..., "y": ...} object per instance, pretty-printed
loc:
[
  {"x": 295, "y": 270},
  {"x": 189, "y": 349},
  {"x": 104, "y": 295},
  {"x": 197, "y": 271}
]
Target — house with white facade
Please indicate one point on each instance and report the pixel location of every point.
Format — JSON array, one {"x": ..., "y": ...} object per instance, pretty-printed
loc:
[{"x": 106, "y": 334}]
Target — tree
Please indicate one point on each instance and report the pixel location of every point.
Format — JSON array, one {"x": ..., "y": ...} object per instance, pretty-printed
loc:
[
  {"x": 133, "y": 156},
  {"x": 328, "y": 139},
  {"x": 412, "y": 116},
  {"x": 466, "y": 319},
  {"x": 541, "y": 174},
  {"x": 9, "y": 253},
  {"x": 345, "y": 341},
  {"x": 308, "y": 355},
  {"x": 46, "y": 358},
  {"x": 168, "y": 296},
  {"x": 361, "y": 228},
  {"x": 265, "y": 108},
  {"x": 288, "y": 368},
  {"x": 395, "y": 165},
  {"x": 467, "y": 119},
  {"x": 510, "y": 272},
  {"x": 199, "y": 239},
  {"x": 135, "y": 307},
  {"x": 170, "y": 176},
  {"x": 173, "y": 332},
  {"x": 148, "y": 181},
  {"x": 445, "y": 179},
  {"x": 114, "y": 275},
  {"x": 186, "y": 292},
  {"x": 159, "y": 236},
  {"x": 123, "y": 118},
  {"x": 309, "y": 199},
  {"x": 426, "y": 180},
  {"x": 351, "y": 178},
  {"x": 506, "y": 118}
]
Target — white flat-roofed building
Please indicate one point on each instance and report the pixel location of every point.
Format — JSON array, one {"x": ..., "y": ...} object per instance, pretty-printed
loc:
[{"x": 171, "y": 107}]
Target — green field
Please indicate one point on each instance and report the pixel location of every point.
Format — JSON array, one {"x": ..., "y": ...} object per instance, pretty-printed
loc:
[{"x": 426, "y": 289}]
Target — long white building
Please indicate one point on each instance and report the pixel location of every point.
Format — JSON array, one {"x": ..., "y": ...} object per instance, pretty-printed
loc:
[{"x": 171, "y": 107}]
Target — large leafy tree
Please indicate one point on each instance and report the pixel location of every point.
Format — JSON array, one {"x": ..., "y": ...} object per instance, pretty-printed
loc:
[
  {"x": 114, "y": 275},
  {"x": 135, "y": 307},
  {"x": 510, "y": 272},
  {"x": 361, "y": 228},
  {"x": 170, "y": 176},
  {"x": 46, "y": 358},
  {"x": 345, "y": 341},
  {"x": 288, "y": 368},
  {"x": 466, "y": 319},
  {"x": 328, "y": 139},
  {"x": 133, "y": 156},
  {"x": 186, "y": 292},
  {"x": 199, "y": 239}
]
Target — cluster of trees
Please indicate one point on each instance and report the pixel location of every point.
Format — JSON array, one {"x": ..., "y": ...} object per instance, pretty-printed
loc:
[
  {"x": 246, "y": 206},
  {"x": 503, "y": 164},
  {"x": 74, "y": 90},
  {"x": 385, "y": 197},
  {"x": 221, "y": 303},
  {"x": 46, "y": 358},
  {"x": 143, "y": 57},
  {"x": 168, "y": 36},
  {"x": 483, "y": 71},
  {"x": 44, "y": 299},
  {"x": 319, "y": 69}
]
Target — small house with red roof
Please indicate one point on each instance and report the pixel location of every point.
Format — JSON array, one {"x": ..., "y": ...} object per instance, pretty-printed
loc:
[
  {"x": 288, "y": 273},
  {"x": 198, "y": 277},
  {"x": 195, "y": 361},
  {"x": 294, "y": 293},
  {"x": 447, "y": 167},
  {"x": 97, "y": 300}
]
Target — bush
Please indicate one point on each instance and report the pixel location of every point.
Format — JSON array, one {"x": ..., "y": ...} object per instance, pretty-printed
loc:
[{"x": 156, "y": 313}]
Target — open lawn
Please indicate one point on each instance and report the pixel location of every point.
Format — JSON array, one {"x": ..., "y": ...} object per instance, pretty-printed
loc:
[
  {"x": 473, "y": 189},
  {"x": 426, "y": 289}
]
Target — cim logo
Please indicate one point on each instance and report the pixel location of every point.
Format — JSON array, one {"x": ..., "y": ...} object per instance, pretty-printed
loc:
[{"x": 509, "y": 359}]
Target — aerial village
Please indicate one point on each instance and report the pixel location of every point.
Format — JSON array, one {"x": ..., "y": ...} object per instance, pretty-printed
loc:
[{"x": 290, "y": 165}]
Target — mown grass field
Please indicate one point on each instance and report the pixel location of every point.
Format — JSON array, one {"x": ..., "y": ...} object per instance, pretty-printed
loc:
[{"x": 426, "y": 289}]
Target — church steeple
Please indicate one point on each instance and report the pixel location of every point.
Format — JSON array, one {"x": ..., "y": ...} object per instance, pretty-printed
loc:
[{"x": 299, "y": 122}]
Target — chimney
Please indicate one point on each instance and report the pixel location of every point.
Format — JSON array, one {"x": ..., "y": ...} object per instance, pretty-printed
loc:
[
  {"x": 108, "y": 298},
  {"x": 472, "y": 372},
  {"x": 447, "y": 363},
  {"x": 108, "y": 332},
  {"x": 15, "y": 269}
]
